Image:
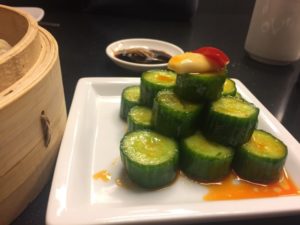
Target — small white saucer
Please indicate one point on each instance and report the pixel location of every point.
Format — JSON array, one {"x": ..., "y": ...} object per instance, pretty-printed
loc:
[
  {"x": 141, "y": 43},
  {"x": 35, "y": 12}
]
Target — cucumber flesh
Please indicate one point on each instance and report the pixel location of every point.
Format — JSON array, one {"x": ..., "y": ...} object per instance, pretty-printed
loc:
[
  {"x": 229, "y": 88},
  {"x": 139, "y": 117},
  {"x": 153, "y": 81},
  {"x": 231, "y": 106}
]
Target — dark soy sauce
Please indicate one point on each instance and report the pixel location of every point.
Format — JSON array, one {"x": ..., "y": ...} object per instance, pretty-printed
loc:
[{"x": 143, "y": 56}]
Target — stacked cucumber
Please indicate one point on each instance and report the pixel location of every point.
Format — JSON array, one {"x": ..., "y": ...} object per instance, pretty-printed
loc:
[{"x": 197, "y": 123}]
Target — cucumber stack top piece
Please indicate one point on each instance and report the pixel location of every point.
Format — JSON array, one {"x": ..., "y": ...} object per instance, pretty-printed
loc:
[
  {"x": 205, "y": 160},
  {"x": 150, "y": 159},
  {"x": 130, "y": 98},
  {"x": 139, "y": 117},
  {"x": 261, "y": 160},
  {"x": 231, "y": 121},
  {"x": 175, "y": 117},
  {"x": 153, "y": 81},
  {"x": 199, "y": 87}
]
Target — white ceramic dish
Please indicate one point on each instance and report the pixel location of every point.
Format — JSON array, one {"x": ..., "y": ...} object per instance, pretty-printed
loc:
[
  {"x": 35, "y": 12},
  {"x": 144, "y": 43},
  {"x": 91, "y": 143}
]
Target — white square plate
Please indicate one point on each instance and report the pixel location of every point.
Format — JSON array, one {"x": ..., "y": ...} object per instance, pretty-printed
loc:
[{"x": 91, "y": 143}]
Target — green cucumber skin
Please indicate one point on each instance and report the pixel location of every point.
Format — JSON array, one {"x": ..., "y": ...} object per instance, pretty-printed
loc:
[
  {"x": 174, "y": 124},
  {"x": 150, "y": 90},
  {"x": 229, "y": 130},
  {"x": 126, "y": 105},
  {"x": 255, "y": 169},
  {"x": 191, "y": 88},
  {"x": 238, "y": 95},
  {"x": 133, "y": 125},
  {"x": 150, "y": 176},
  {"x": 203, "y": 169}
]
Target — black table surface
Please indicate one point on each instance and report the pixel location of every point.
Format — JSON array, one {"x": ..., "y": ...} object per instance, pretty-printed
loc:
[{"x": 83, "y": 37}]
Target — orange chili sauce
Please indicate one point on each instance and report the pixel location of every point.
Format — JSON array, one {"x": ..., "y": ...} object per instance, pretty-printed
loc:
[
  {"x": 103, "y": 175},
  {"x": 235, "y": 188},
  {"x": 232, "y": 187},
  {"x": 164, "y": 78}
]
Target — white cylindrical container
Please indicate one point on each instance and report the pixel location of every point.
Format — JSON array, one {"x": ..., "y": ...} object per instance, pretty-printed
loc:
[{"x": 274, "y": 32}]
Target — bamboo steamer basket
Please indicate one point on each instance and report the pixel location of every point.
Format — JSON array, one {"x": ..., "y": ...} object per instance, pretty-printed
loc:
[{"x": 32, "y": 111}]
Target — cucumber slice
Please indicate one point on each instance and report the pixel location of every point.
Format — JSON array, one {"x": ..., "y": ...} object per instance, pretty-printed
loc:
[
  {"x": 260, "y": 160},
  {"x": 229, "y": 88},
  {"x": 139, "y": 118},
  {"x": 175, "y": 117},
  {"x": 199, "y": 87},
  {"x": 204, "y": 160},
  {"x": 153, "y": 81},
  {"x": 130, "y": 97},
  {"x": 150, "y": 159},
  {"x": 230, "y": 121}
]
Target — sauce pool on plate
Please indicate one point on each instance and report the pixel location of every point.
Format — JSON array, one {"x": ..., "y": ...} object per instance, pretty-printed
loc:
[
  {"x": 231, "y": 188},
  {"x": 235, "y": 188},
  {"x": 103, "y": 175}
]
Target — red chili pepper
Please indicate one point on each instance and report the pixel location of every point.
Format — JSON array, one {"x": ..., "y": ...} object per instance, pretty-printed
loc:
[{"x": 214, "y": 54}]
